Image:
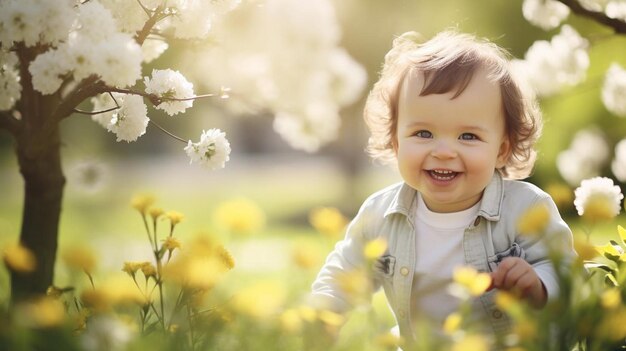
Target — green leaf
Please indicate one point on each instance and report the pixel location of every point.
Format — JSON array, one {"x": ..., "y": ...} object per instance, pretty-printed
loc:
[
  {"x": 609, "y": 279},
  {"x": 622, "y": 233}
]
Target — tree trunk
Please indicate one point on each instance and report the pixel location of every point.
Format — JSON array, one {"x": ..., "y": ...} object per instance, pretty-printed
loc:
[{"x": 39, "y": 159}]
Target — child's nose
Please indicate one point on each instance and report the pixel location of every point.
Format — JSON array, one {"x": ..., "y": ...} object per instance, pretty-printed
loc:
[{"x": 442, "y": 150}]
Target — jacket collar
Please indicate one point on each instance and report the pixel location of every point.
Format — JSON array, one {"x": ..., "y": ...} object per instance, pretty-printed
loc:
[{"x": 405, "y": 200}]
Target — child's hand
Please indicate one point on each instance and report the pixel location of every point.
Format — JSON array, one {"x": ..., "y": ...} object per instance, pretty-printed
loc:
[{"x": 518, "y": 276}]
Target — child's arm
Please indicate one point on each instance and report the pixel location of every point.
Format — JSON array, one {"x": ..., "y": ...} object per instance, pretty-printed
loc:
[{"x": 518, "y": 276}]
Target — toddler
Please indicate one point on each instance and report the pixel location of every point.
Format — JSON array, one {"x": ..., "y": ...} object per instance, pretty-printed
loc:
[{"x": 452, "y": 116}]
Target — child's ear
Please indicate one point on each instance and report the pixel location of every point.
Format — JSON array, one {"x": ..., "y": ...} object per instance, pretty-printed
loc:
[{"x": 504, "y": 153}]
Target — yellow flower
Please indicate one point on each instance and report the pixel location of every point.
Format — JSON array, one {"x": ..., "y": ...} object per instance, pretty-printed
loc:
[
  {"x": 328, "y": 221},
  {"x": 452, "y": 323},
  {"x": 81, "y": 258},
  {"x": 357, "y": 285},
  {"x": 305, "y": 257},
  {"x": 331, "y": 318},
  {"x": 475, "y": 283},
  {"x": 584, "y": 250},
  {"x": 44, "y": 312},
  {"x": 375, "y": 248},
  {"x": 171, "y": 243},
  {"x": 611, "y": 298},
  {"x": 226, "y": 258},
  {"x": 261, "y": 300},
  {"x": 471, "y": 342},
  {"x": 156, "y": 212},
  {"x": 622, "y": 234},
  {"x": 613, "y": 325},
  {"x": 534, "y": 220},
  {"x": 19, "y": 259},
  {"x": 132, "y": 267},
  {"x": 561, "y": 194},
  {"x": 142, "y": 202},
  {"x": 290, "y": 321},
  {"x": 148, "y": 269},
  {"x": 525, "y": 329},
  {"x": 174, "y": 217},
  {"x": 240, "y": 216}
]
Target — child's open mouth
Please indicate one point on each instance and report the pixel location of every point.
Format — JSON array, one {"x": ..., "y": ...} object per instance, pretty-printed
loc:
[{"x": 440, "y": 174}]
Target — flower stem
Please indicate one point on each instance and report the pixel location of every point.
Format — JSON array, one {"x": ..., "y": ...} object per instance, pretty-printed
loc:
[{"x": 168, "y": 133}]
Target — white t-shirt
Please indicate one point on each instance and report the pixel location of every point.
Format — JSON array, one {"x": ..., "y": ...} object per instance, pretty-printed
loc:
[{"x": 439, "y": 250}]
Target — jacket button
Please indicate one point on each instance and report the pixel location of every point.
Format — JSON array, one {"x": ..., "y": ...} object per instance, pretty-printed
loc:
[
  {"x": 404, "y": 271},
  {"x": 477, "y": 221},
  {"x": 497, "y": 314}
]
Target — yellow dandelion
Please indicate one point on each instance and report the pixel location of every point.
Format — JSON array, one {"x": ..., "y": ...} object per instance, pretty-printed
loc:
[
  {"x": 132, "y": 267},
  {"x": 142, "y": 202},
  {"x": 148, "y": 269},
  {"x": 472, "y": 342},
  {"x": 452, "y": 323},
  {"x": 156, "y": 212},
  {"x": 305, "y": 257},
  {"x": 561, "y": 194},
  {"x": 613, "y": 325},
  {"x": 171, "y": 243},
  {"x": 375, "y": 248},
  {"x": 225, "y": 257},
  {"x": 239, "y": 216},
  {"x": 534, "y": 220},
  {"x": 19, "y": 259},
  {"x": 174, "y": 217},
  {"x": 80, "y": 257},
  {"x": 290, "y": 321},
  {"x": 329, "y": 221},
  {"x": 584, "y": 249},
  {"x": 261, "y": 300},
  {"x": 357, "y": 285},
  {"x": 611, "y": 298},
  {"x": 331, "y": 318},
  {"x": 97, "y": 300},
  {"x": 526, "y": 329},
  {"x": 44, "y": 312},
  {"x": 471, "y": 280}
]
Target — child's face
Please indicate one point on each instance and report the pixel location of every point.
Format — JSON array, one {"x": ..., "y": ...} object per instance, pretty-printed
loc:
[{"x": 448, "y": 149}]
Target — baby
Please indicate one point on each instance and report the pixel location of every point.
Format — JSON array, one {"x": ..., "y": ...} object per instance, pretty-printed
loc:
[{"x": 453, "y": 117}]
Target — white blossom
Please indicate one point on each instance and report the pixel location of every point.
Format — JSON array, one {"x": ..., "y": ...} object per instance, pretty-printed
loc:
[
  {"x": 106, "y": 333},
  {"x": 614, "y": 90},
  {"x": 95, "y": 21},
  {"x": 10, "y": 87},
  {"x": 616, "y": 9},
  {"x": 82, "y": 55},
  {"x": 118, "y": 61},
  {"x": 170, "y": 84},
  {"x": 551, "y": 66},
  {"x": 103, "y": 102},
  {"x": 309, "y": 131},
  {"x": 212, "y": 151},
  {"x": 546, "y": 14},
  {"x": 47, "y": 71},
  {"x": 193, "y": 20},
  {"x": 598, "y": 191},
  {"x": 128, "y": 14},
  {"x": 151, "y": 49},
  {"x": 593, "y": 5},
  {"x": 618, "y": 166},
  {"x": 587, "y": 153},
  {"x": 88, "y": 176},
  {"x": 20, "y": 21},
  {"x": 290, "y": 62},
  {"x": 130, "y": 121}
]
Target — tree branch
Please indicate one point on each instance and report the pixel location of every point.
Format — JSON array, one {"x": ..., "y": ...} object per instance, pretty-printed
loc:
[
  {"x": 9, "y": 123},
  {"x": 618, "y": 26}
]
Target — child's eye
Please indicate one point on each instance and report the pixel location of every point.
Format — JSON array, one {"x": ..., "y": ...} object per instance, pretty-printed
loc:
[
  {"x": 423, "y": 134},
  {"x": 468, "y": 136}
]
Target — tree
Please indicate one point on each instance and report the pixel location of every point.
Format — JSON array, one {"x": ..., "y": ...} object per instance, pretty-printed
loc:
[{"x": 58, "y": 55}]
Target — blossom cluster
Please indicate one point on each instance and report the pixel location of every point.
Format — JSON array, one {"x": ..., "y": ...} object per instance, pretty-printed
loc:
[
  {"x": 303, "y": 87},
  {"x": 586, "y": 155}
]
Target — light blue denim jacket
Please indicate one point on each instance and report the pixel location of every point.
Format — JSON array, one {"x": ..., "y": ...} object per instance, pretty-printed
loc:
[{"x": 390, "y": 214}]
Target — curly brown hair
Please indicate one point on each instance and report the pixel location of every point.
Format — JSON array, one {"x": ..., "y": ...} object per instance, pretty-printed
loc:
[{"x": 448, "y": 62}]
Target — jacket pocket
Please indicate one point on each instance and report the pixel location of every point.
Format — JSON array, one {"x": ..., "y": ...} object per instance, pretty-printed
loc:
[
  {"x": 514, "y": 251},
  {"x": 385, "y": 265}
]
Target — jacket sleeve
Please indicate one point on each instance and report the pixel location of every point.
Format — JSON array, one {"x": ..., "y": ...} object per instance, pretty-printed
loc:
[
  {"x": 344, "y": 278},
  {"x": 551, "y": 248}
]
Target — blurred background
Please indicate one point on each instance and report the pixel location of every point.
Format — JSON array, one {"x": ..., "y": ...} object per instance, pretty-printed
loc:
[{"x": 284, "y": 184}]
